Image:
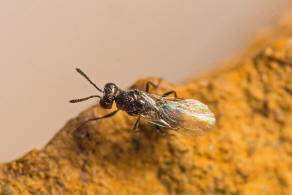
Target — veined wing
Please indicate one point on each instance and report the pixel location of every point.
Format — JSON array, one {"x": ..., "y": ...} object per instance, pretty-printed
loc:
[{"x": 187, "y": 116}]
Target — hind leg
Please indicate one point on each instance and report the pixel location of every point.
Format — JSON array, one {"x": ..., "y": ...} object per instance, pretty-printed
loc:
[
  {"x": 169, "y": 93},
  {"x": 160, "y": 130},
  {"x": 148, "y": 86}
]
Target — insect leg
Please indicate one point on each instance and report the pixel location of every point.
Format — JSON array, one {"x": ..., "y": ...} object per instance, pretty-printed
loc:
[
  {"x": 148, "y": 85},
  {"x": 159, "y": 129},
  {"x": 170, "y": 92},
  {"x": 97, "y": 118},
  {"x": 137, "y": 123},
  {"x": 105, "y": 116}
]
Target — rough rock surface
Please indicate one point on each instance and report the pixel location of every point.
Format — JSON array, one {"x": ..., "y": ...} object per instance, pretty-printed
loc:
[{"x": 248, "y": 152}]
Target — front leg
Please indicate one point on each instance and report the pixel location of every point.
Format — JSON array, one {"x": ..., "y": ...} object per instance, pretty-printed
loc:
[{"x": 97, "y": 118}]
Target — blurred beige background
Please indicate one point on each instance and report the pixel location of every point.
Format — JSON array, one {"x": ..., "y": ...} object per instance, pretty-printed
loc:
[{"x": 42, "y": 42}]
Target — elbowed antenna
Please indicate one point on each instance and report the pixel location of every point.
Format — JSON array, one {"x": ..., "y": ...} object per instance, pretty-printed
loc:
[
  {"x": 88, "y": 79},
  {"x": 83, "y": 99}
]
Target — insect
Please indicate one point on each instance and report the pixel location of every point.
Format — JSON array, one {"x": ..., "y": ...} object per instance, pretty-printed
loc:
[{"x": 187, "y": 116}]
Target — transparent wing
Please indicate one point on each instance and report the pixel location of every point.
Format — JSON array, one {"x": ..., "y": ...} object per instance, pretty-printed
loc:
[{"x": 187, "y": 116}]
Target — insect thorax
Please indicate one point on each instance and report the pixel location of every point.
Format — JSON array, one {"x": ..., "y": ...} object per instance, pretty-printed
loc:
[{"x": 131, "y": 101}]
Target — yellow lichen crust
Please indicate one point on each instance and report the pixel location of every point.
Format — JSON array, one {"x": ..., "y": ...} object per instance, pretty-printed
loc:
[{"x": 248, "y": 152}]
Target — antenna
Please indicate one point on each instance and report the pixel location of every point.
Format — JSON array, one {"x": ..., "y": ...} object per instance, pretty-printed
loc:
[
  {"x": 83, "y": 99},
  {"x": 88, "y": 79}
]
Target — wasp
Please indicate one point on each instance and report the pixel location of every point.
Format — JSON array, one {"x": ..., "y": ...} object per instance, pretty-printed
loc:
[{"x": 187, "y": 116}]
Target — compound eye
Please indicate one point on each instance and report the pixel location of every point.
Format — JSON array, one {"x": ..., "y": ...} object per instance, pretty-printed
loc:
[{"x": 110, "y": 88}]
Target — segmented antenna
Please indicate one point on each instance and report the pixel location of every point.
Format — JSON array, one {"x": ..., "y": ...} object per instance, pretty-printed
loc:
[
  {"x": 88, "y": 79},
  {"x": 83, "y": 99}
]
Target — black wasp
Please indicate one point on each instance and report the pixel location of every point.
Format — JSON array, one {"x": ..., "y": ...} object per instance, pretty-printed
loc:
[{"x": 187, "y": 116}]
